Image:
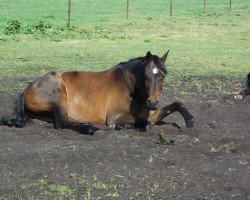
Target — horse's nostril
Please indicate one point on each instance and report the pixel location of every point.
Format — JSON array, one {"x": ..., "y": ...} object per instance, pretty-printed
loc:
[{"x": 152, "y": 104}]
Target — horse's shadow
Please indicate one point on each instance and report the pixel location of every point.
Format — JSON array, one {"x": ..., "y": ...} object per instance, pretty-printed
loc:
[
  {"x": 89, "y": 129},
  {"x": 161, "y": 123},
  {"x": 86, "y": 129}
]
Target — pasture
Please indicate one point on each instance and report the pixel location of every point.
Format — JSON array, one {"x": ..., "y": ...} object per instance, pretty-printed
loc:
[{"x": 209, "y": 57}]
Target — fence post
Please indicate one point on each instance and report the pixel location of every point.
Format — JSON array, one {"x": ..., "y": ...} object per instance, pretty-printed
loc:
[
  {"x": 127, "y": 8},
  {"x": 69, "y": 13},
  {"x": 204, "y": 7},
  {"x": 171, "y": 7}
]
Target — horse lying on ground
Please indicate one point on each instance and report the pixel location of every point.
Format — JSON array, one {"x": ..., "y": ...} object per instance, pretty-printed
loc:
[
  {"x": 125, "y": 95},
  {"x": 245, "y": 88}
]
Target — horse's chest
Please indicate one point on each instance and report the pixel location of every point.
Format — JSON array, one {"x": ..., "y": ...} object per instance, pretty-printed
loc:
[{"x": 139, "y": 109}]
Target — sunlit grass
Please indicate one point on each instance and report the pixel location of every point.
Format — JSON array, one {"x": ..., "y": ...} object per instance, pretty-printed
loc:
[
  {"x": 213, "y": 46},
  {"x": 82, "y": 189}
]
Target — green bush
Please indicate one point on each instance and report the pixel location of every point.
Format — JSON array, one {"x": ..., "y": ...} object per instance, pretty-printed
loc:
[
  {"x": 42, "y": 26},
  {"x": 13, "y": 26}
]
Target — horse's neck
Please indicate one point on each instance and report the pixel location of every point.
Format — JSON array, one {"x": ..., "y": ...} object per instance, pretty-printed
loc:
[
  {"x": 131, "y": 70},
  {"x": 128, "y": 77},
  {"x": 134, "y": 75}
]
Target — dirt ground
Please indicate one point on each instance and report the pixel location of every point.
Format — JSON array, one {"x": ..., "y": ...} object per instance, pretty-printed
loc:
[{"x": 210, "y": 161}]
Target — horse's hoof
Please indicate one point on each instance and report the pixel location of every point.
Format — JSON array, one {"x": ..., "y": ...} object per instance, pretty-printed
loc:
[
  {"x": 190, "y": 123},
  {"x": 238, "y": 97},
  {"x": 148, "y": 127}
]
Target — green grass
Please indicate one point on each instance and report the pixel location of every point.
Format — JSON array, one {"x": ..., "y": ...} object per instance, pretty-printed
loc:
[
  {"x": 55, "y": 11},
  {"x": 213, "y": 46},
  {"x": 82, "y": 189}
]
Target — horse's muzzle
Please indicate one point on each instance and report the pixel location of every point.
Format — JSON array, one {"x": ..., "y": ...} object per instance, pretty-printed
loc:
[{"x": 153, "y": 105}]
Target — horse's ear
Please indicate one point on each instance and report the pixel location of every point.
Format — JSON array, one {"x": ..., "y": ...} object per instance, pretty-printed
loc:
[
  {"x": 164, "y": 57},
  {"x": 148, "y": 56}
]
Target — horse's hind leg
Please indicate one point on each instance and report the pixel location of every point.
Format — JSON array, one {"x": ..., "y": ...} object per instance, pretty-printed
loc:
[
  {"x": 243, "y": 93},
  {"x": 160, "y": 114},
  {"x": 60, "y": 108},
  {"x": 59, "y": 119}
]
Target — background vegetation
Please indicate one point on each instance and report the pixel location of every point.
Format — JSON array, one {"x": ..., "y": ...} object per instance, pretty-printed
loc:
[{"x": 206, "y": 52}]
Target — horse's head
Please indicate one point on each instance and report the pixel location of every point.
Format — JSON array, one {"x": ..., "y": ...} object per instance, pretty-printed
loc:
[{"x": 155, "y": 72}]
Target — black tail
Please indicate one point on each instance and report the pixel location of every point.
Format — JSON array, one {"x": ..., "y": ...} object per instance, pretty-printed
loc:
[
  {"x": 20, "y": 118},
  {"x": 248, "y": 80}
]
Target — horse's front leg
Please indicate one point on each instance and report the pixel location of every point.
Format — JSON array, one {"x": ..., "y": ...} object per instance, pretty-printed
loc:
[
  {"x": 120, "y": 121},
  {"x": 128, "y": 121},
  {"x": 160, "y": 114}
]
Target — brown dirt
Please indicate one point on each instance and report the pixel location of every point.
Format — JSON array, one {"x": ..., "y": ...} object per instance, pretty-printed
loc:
[{"x": 210, "y": 161}]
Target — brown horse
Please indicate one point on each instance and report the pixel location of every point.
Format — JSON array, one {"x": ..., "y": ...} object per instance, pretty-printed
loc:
[
  {"x": 245, "y": 88},
  {"x": 125, "y": 95}
]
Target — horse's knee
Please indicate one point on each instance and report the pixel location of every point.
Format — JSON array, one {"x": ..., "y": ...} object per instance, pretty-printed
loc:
[
  {"x": 190, "y": 122},
  {"x": 178, "y": 104}
]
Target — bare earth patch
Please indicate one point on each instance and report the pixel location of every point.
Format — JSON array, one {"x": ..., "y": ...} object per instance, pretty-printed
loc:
[{"x": 211, "y": 161}]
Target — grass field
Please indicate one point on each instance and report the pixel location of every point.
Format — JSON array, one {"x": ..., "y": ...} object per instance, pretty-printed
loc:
[
  {"x": 55, "y": 11},
  {"x": 213, "y": 46}
]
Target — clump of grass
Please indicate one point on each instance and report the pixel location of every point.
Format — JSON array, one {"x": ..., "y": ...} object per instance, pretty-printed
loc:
[
  {"x": 39, "y": 27},
  {"x": 153, "y": 157},
  {"x": 42, "y": 26},
  {"x": 163, "y": 140},
  {"x": 87, "y": 189},
  {"x": 194, "y": 141},
  {"x": 91, "y": 186},
  {"x": 13, "y": 27},
  {"x": 228, "y": 147}
]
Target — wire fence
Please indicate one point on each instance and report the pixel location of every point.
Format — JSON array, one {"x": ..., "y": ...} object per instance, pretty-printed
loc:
[
  {"x": 99, "y": 10},
  {"x": 89, "y": 11}
]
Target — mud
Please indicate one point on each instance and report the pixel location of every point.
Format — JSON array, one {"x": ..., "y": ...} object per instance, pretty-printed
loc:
[{"x": 210, "y": 161}]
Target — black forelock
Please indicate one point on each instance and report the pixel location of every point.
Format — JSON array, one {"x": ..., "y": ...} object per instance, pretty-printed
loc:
[{"x": 159, "y": 63}]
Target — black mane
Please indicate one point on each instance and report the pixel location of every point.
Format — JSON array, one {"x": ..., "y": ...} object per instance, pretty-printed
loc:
[{"x": 159, "y": 63}]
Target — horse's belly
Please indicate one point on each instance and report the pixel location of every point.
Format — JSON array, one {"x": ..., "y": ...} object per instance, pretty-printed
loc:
[{"x": 84, "y": 112}]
